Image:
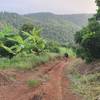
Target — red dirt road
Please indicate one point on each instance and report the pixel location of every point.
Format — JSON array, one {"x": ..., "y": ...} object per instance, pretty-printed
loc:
[{"x": 54, "y": 86}]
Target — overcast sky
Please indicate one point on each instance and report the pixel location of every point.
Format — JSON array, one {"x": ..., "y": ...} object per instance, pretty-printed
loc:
[{"x": 54, "y": 6}]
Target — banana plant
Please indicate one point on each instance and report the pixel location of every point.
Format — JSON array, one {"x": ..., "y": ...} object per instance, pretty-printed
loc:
[
  {"x": 13, "y": 49},
  {"x": 22, "y": 44},
  {"x": 33, "y": 42},
  {"x": 5, "y": 31},
  {"x": 38, "y": 44},
  {"x": 6, "y": 48}
]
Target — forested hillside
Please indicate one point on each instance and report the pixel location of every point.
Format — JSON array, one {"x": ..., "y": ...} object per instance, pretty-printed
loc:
[
  {"x": 60, "y": 28},
  {"x": 79, "y": 19}
]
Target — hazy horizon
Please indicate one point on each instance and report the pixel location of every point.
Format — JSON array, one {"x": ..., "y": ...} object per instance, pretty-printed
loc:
[
  {"x": 43, "y": 13},
  {"x": 48, "y": 6}
]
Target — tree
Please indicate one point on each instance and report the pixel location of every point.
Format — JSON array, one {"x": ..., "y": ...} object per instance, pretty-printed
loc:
[
  {"x": 36, "y": 43},
  {"x": 89, "y": 38},
  {"x": 26, "y": 28}
]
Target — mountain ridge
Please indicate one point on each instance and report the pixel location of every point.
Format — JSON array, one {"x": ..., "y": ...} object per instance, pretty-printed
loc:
[{"x": 60, "y": 28}]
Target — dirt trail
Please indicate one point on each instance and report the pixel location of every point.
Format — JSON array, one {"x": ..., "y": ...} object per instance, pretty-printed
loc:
[{"x": 55, "y": 86}]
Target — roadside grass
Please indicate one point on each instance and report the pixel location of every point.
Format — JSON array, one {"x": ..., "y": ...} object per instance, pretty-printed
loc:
[
  {"x": 62, "y": 50},
  {"x": 33, "y": 83},
  {"x": 70, "y": 51},
  {"x": 25, "y": 61},
  {"x": 86, "y": 85}
]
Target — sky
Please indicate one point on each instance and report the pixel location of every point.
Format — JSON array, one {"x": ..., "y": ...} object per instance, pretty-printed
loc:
[{"x": 53, "y": 6}]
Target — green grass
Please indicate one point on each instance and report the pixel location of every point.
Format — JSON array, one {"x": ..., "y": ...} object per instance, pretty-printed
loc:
[
  {"x": 33, "y": 83},
  {"x": 86, "y": 85},
  {"x": 29, "y": 61},
  {"x": 62, "y": 50},
  {"x": 70, "y": 51},
  {"x": 25, "y": 61}
]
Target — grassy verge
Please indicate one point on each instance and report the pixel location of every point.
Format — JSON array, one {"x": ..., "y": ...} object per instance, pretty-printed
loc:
[
  {"x": 24, "y": 61},
  {"x": 70, "y": 51},
  {"x": 86, "y": 85}
]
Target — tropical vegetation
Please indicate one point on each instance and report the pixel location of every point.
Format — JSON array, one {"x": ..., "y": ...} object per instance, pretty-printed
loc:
[{"x": 88, "y": 38}]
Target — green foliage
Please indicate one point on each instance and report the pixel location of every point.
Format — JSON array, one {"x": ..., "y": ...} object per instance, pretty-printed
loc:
[
  {"x": 53, "y": 46},
  {"x": 37, "y": 44},
  {"x": 12, "y": 44},
  {"x": 62, "y": 50},
  {"x": 27, "y": 28},
  {"x": 60, "y": 28},
  {"x": 98, "y": 3},
  {"x": 71, "y": 52},
  {"x": 84, "y": 54},
  {"x": 5, "y": 31},
  {"x": 89, "y": 40}
]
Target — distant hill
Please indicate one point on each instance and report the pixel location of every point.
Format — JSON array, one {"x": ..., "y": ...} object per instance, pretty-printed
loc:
[
  {"x": 60, "y": 28},
  {"x": 79, "y": 19}
]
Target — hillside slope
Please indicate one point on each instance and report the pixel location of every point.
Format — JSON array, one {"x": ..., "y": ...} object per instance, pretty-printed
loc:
[
  {"x": 79, "y": 19},
  {"x": 55, "y": 27},
  {"x": 60, "y": 28}
]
